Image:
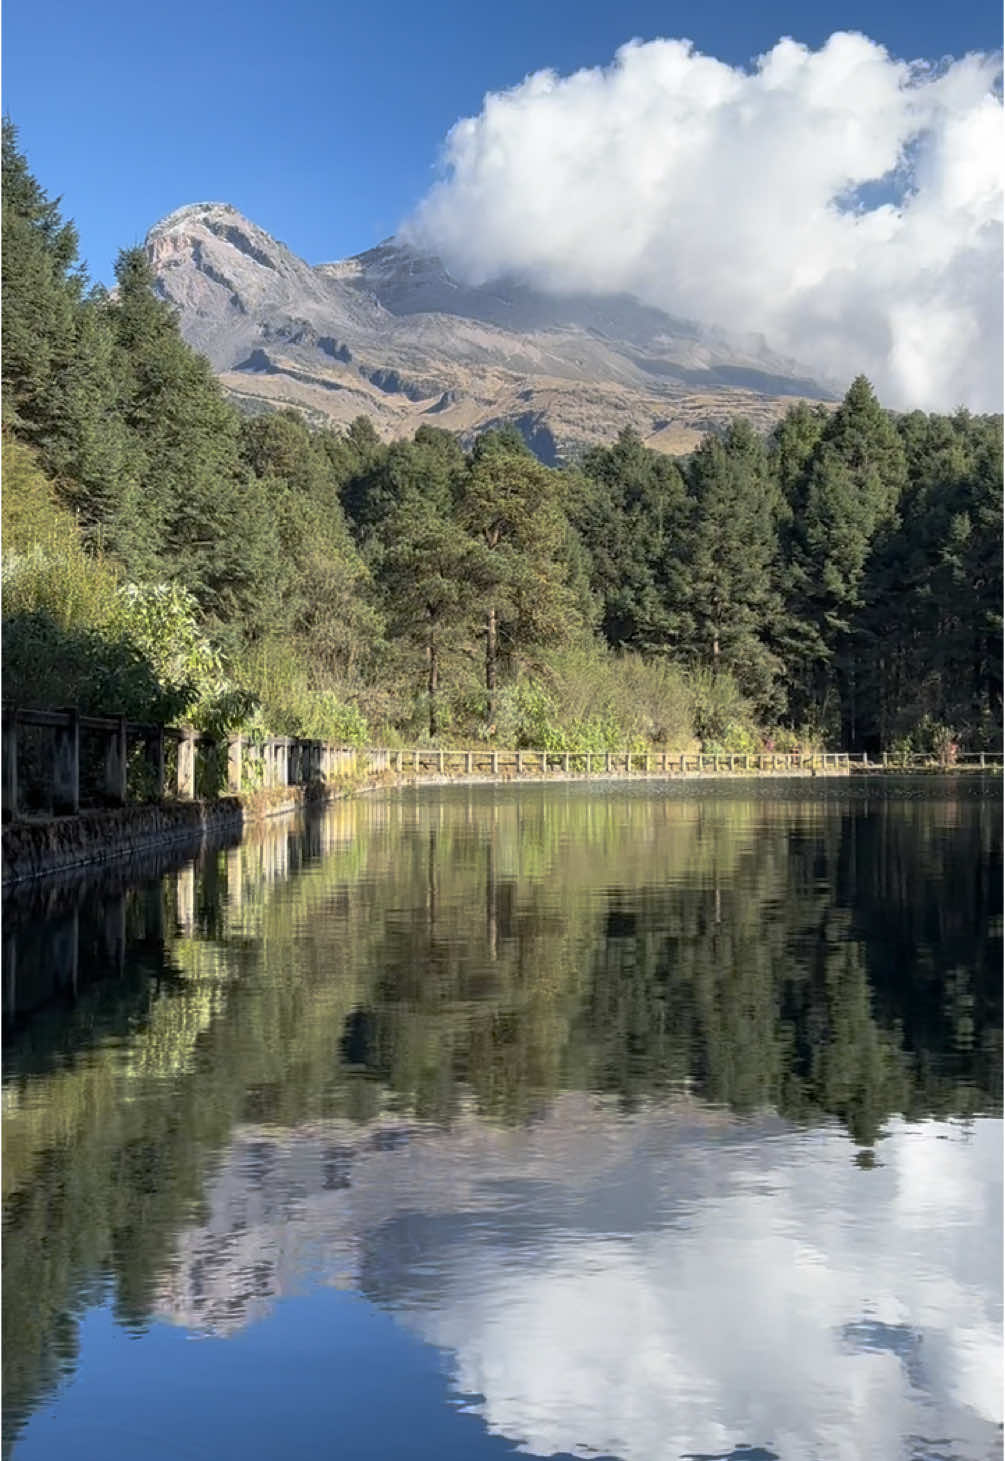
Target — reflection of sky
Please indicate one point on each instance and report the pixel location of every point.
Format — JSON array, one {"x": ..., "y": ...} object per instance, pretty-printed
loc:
[{"x": 651, "y": 1287}]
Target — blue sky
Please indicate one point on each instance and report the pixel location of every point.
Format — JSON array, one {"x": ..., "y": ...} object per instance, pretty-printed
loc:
[{"x": 323, "y": 122}]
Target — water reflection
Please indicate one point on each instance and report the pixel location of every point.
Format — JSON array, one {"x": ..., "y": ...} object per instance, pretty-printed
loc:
[
  {"x": 523, "y": 1068},
  {"x": 628, "y": 1286}
]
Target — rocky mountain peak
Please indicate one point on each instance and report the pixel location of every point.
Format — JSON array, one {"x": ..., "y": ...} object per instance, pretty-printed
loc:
[{"x": 390, "y": 334}]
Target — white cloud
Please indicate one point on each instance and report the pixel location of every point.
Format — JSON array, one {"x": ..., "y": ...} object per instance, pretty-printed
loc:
[{"x": 729, "y": 196}]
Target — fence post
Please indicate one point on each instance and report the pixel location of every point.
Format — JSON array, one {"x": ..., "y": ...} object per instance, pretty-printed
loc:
[
  {"x": 116, "y": 761},
  {"x": 982, "y": 760},
  {"x": 234, "y": 749},
  {"x": 186, "y": 765},
  {"x": 66, "y": 765},
  {"x": 519, "y": 763},
  {"x": 10, "y": 765},
  {"x": 155, "y": 759},
  {"x": 607, "y": 760},
  {"x": 439, "y": 762}
]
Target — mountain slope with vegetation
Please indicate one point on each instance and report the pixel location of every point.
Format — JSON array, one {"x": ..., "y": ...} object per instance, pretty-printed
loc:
[{"x": 165, "y": 554}]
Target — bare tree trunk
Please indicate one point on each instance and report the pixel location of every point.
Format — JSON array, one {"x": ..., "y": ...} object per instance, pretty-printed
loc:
[
  {"x": 490, "y": 663},
  {"x": 433, "y": 681}
]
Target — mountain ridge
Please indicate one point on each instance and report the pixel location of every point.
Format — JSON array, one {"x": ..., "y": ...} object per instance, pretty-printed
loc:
[{"x": 390, "y": 334}]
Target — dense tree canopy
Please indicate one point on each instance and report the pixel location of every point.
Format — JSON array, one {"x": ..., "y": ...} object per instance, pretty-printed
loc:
[{"x": 841, "y": 580}]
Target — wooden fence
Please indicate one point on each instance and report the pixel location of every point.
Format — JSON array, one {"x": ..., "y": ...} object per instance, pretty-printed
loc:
[
  {"x": 242, "y": 763},
  {"x": 911, "y": 761},
  {"x": 425, "y": 761}
]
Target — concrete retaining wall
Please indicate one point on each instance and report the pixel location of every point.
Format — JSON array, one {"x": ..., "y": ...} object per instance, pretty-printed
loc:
[{"x": 38, "y": 848}]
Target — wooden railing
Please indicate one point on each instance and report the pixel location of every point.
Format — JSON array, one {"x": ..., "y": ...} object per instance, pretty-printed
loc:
[
  {"x": 916, "y": 761},
  {"x": 242, "y": 763},
  {"x": 593, "y": 763}
]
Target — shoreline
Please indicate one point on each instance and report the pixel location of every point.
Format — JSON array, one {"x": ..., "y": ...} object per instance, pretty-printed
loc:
[{"x": 36, "y": 849}]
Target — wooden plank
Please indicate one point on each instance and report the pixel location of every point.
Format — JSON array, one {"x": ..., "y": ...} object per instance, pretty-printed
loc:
[{"x": 50, "y": 719}]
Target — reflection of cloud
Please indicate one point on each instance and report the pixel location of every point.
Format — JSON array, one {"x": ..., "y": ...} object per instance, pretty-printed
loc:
[{"x": 657, "y": 1286}]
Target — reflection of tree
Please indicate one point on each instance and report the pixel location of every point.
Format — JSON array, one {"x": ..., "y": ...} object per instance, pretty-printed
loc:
[{"x": 499, "y": 947}]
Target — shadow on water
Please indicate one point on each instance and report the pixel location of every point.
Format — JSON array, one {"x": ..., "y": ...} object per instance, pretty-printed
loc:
[{"x": 818, "y": 955}]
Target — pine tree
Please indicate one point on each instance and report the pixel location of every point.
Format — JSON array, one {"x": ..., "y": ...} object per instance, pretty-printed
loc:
[
  {"x": 212, "y": 526},
  {"x": 42, "y": 287},
  {"x": 849, "y": 495},
  {"x": 512, "y": 507},
  {"x": 724, "y": 575},
  {"x": 323, "y": 589},
  {"x": 628, "y": 507},
  {"x": 428, "y": 579}
]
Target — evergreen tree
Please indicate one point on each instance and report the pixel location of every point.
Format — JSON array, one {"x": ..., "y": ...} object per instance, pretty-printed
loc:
[
  {"x": 629, "y": 510},
  {"x": 724, "y": 573},
  {"x": 427, "y": 467},
  {"x": 213, "y": 529},
  {"x": 323, "y": 590},
  {"x": 59, "y": 383},
  {"x": 852, "y": 485},
  {"x": 513, "y": 508},
  {"x": 42, "y": 286},
  {"x": 428, "y": 579}
]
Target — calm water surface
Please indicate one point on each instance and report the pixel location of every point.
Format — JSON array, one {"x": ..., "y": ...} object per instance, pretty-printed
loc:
[{"x": 634, "y": 1122}]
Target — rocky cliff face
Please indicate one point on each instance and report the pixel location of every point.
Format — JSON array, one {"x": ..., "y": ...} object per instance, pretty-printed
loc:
[{"x": 390, "y": 335}]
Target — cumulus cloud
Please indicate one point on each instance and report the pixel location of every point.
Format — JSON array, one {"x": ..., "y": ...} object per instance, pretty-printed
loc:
[{"x": 844, "y": 204}]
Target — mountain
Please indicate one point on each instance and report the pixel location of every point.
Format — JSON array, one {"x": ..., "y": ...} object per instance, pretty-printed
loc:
[{"x": 390, "y": 335}]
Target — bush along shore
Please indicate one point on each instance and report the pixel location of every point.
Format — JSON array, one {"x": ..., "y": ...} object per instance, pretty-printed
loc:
[{"x": 166, "y": 559}]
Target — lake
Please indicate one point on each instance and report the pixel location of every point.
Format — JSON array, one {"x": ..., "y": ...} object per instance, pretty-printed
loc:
[{"x": 640, "y": 1121}]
